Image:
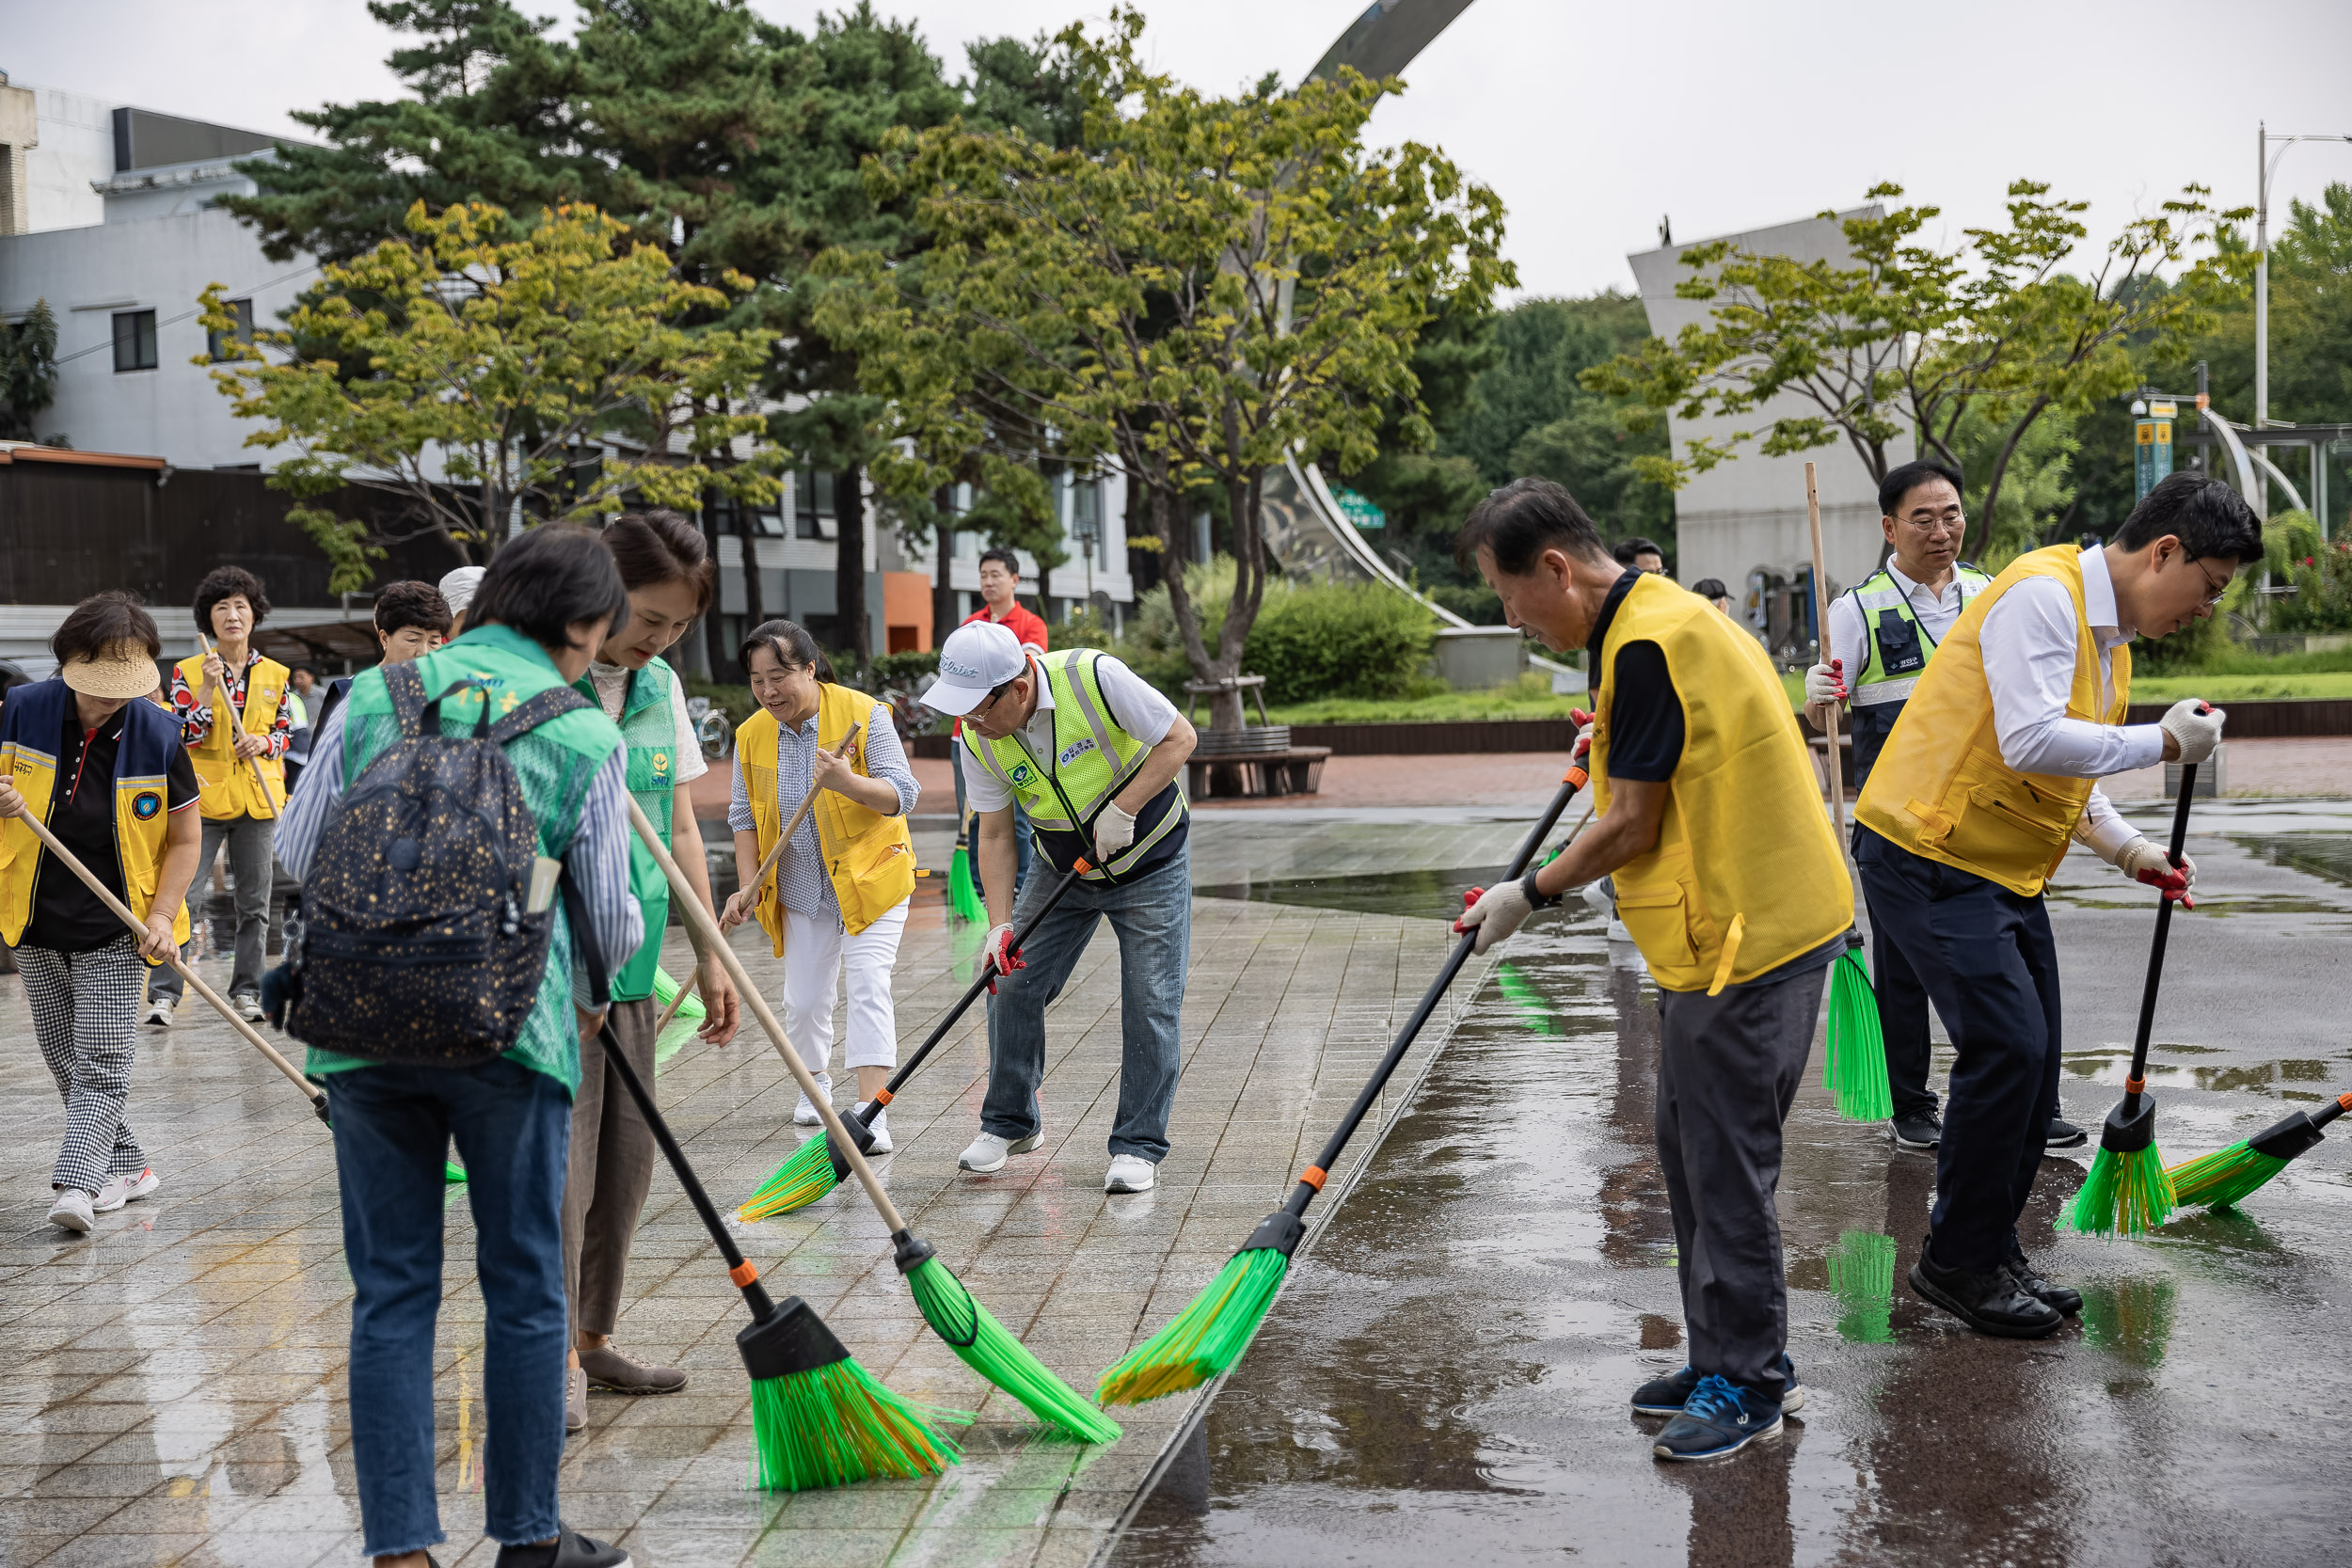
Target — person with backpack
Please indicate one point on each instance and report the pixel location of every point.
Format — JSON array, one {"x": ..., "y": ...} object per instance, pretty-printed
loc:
[
  {"x": 83, "y": 753},
  {"x": 666, "y": 567},
  {"x": 464, "y": 846}
]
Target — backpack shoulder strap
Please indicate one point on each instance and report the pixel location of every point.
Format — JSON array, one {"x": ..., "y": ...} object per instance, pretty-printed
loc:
[
  {"x": 405, "y": 686},
  {"x": 553, "y": 703}
]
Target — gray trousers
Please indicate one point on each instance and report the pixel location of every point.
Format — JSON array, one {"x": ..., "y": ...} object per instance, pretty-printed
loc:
[
  {"x": 612, "y": 1167},
  {"x": 86, "y": 1015},
  {"x": 250, "y": 868},
  {"x": 1728, "y": 1068}
]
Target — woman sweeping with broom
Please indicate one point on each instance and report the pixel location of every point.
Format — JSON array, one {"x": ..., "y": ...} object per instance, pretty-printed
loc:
[
  {"x": 1988, "y": 776},
  {"x": 838, "y": 900}
]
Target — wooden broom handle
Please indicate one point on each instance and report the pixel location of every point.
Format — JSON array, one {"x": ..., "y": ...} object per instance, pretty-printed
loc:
[
  {"x": 105, "y": 895},
  {"x": 686, "y": 989},
  {"x": 699, "y": 922},
  {"x": 1820, "y": 613},
  {"x": 236, "y": 728}
]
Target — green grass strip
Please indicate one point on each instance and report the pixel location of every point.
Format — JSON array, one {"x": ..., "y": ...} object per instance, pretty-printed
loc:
[
  {"x": 989, "y": 1349},
  {"x": 1207, "y": 1337}
]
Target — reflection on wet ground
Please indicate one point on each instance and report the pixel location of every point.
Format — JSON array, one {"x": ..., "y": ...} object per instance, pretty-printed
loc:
[{"x": 1443, "y": 1379}]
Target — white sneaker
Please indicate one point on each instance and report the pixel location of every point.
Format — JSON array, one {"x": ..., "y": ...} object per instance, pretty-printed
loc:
[
  {"x": 72, "y": 1212},
  {"x": 122, "y": 1189},
  {"x": 804, "y": 1114},
  {"x": 158, "y": 1012},
  {"x": 880, "y": 1127},
  {"x": 1130, "y": 1173},
  {"x": 250, "y": 1010},
  {"x": 986, "y": 1153}
]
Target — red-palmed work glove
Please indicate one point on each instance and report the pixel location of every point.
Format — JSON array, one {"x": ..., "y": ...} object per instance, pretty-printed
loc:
[
  {"x": 1583, "y": 722},
  {"x": 2144, "y": 862},
  {"x": 998, "y": 953}
]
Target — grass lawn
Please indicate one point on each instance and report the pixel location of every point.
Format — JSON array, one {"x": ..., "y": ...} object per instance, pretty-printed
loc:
[
  {"x": 1530, "y": 698},
  {"x": 2243, "y": 689}
]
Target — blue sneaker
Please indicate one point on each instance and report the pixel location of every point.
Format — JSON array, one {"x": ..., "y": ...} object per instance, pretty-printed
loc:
[
  {"x": 1721, "y": 1419},
  {"x": 1666, "y": 1396}
]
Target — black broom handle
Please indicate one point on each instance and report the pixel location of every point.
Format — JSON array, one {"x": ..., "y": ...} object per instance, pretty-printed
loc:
[
  {"x": 874, "y": 1107},
  {"x": 2133, "y": 1084},
  {"x": 1312, "y": 1182},
  {"x": 755, "y": 1293}
]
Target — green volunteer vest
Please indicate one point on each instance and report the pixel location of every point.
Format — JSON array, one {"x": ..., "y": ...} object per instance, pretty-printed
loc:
[
  {"x": 649, "y": 730},
  {"x": 556, "y": 762},
  {"x": 1896, "y": 647},
  {"x": 1093, "y": 759}
]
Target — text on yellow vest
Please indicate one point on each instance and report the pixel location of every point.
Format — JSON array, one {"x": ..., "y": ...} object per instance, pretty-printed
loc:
[
  {"x": 869, "y": 857},
  {"x": 1746, "y": 874},
  {"x": 1941, "y": 789},
  {"x": 224, "y": 780}
]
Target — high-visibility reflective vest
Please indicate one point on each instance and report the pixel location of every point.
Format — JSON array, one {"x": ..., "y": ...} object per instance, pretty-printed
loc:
[
  {"x": 1746, "y": 874},
  {"x": 1092, "y": 761},
  {"x": 1941, "y": 789},
  {"x": 28, "y": 740},
  {"x": 1898, "y": 647},
  {"x": 224, "y": 780},
  {"x": 869, "y": 857}
]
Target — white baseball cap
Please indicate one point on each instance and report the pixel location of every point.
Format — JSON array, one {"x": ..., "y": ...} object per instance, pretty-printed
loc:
[
  {"x": 457, "y": 588},
  {"x": 972, "y": 662}
]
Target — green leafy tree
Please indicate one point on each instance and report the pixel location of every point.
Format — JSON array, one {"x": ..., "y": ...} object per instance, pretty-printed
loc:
[
  {"x": 1202, "y": 288},
  {"x": 1905, "y": 339},
  {"x": 548, "y": 376},
  {"x": 28, "y": 369}
]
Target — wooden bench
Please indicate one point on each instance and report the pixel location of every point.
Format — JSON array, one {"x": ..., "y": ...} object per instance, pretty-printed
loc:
[{"x": 1295, "y": 772}]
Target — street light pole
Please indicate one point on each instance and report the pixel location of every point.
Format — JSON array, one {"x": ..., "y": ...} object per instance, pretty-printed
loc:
[{"x": 2265, "y": 165}]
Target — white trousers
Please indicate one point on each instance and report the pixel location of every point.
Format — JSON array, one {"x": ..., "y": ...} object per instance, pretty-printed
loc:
[{"x": 815, "y": 953}]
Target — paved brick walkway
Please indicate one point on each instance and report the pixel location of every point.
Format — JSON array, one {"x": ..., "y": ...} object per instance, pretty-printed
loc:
[{"x": 178, "y": 1394}]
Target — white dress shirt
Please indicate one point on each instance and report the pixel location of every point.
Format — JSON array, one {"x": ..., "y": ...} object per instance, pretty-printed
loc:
[
  {"x": 1849, "y": 633},
  {"x": 2029, "y": 639}
]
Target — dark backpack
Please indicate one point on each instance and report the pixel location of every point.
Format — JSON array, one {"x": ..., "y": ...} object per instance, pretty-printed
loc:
[{"x": 418, "y": 944}]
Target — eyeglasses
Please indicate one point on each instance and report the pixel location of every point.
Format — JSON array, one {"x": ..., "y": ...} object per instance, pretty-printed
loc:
[
  {"x": 990, "y": 701},
  {"x": 2223, "y": 587}
]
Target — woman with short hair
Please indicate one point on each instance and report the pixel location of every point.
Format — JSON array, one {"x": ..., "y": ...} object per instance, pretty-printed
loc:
[{"x": 104, "y": 772}]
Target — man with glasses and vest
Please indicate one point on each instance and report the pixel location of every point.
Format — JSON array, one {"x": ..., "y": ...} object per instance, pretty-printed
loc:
[
  {"x": 1091, "y": 755},
  {"x": 1991, "y": 774},
  {"x": 1883, "y": 633}
]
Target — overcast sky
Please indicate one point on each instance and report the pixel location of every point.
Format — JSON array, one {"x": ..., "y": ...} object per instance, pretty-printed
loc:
[{"x": 1591, "y": 119}]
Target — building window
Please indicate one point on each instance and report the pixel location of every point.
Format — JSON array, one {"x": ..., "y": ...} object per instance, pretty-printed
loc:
[
  {"x": 216, "y": 340},
  {"x": 812, "y": 502},
  {"x": 135, "y": 341},
  {"x": 1085, "y": 521}
]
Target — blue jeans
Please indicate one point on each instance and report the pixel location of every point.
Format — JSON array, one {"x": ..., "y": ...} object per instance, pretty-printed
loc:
[
  {"x": 1022, "y": 847},
  {"x": 392, "y": 1132},
  {"x": 1153, "y": 917}
]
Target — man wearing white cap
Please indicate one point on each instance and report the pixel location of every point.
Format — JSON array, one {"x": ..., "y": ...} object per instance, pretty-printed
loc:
[
  {"x": 1091, "y": 754},
  {"x": 457, "y": 589}
]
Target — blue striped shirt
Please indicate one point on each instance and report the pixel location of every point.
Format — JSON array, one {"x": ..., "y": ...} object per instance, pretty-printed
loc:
[{"x": 807, "y": 890}]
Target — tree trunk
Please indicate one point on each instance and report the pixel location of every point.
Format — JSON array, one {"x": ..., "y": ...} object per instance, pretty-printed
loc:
[
  {"x": 1241, "y": 612},
  {"x": 1166, "y": 520},
  {"x": 747, "y": 531},
  {"x": 848, "y": 573},
  {"x": 1993, "y": 485},
  {"x": 717, "y": 656},
  {"x": 943, "y": 592}
]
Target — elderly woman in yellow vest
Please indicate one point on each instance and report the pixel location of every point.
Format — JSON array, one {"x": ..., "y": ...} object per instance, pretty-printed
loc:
[
  {"x": 243, "y": 777},
  {"x": 1730, "y": 882},
  {"x": 837, "y": 900},
  {"x": 106, "y": 774},
  {"x": 1991, "y": 773}
]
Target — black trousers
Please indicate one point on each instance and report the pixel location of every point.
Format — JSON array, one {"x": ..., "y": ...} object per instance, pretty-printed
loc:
[
  {"x": 1902, "y": 1003},
  {"x": 1987, "y": 961},
  {"x": 1728, "y": 1067}
]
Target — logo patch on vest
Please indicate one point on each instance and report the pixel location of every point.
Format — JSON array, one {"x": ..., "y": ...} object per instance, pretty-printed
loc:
[
  {"x": 660, "y": 763},
  {"x": 1075, "y": 750},
  {"x": 145, "y": 805},
  {"x": 1021, "y": 772}
]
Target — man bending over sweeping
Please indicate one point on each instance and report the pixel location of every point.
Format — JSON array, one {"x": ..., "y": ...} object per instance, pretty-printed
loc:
[{"x": 1730, "y": 882}]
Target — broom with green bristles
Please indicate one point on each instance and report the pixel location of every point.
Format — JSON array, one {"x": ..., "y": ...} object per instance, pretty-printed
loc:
[
  {"x": 817, "y": 1167},
  {"x": 1211, "y": 1333},
  {"x": 1854, "y": 1058},
  {"x": 2228, "y": 1176},
  {"x": 2128, "y": 1190},
  {"x": 964, "y": 894},
  {"x": 978, "y": 1338}
]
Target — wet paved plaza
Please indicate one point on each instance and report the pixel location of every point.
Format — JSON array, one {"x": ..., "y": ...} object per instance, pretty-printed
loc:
[{"x": 1443, "y": 1378}]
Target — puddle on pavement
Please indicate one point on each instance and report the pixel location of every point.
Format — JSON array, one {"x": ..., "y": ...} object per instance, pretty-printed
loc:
[
  {"x": 1433, "y": 894},
  {"x": 1444, "y": 1376},
  {"x": 2283, "y": 1079},
  {"x": 2327, "y": 855}
]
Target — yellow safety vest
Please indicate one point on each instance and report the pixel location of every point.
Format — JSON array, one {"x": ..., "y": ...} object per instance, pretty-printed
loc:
[
  {"x": 1746, "y": 874},
  {"x": 224, "y": 780},
  {"x": 1940, "y": 788},
  {"x": 142, "y": 821},
  {"x": 869, "y": 857}
]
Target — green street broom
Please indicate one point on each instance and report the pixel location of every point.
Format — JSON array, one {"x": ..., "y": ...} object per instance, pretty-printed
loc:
[
  {"x": 963, "y": 892},
  {"x": 1211, "y": 1333},
  {"x": 818, "y": 1417},
  {"x": 2129, "y": 1191},
  {"x": 1854, "y": 1058},
  {"x": 970, "y": 1330},
  {"x": 2228, "y": 1176},
  {"x": 817, "y": 1167}
]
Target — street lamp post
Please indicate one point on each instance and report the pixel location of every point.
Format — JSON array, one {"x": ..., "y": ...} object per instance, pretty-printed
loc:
[{"x": 2266, "y": 164}]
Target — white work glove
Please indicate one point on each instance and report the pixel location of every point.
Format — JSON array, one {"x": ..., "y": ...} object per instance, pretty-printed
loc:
[
  {"x": 2196, "y": 725},
  {"x": 1825, "y": 684},
  {"x": 2142, "y": 861},
  {"x": 1114, "y": 830},
  {"x": 1495, "y": 912},
  {"x": 999, "y": 955}
]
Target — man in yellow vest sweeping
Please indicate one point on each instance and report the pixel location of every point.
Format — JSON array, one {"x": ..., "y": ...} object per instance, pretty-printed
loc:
[
  {"x": 1091, "y": 754},
  {"x": 240, "y": 770},
  {"x": 1989, "y": 773},
  {"x": 1730, "y": 882}
]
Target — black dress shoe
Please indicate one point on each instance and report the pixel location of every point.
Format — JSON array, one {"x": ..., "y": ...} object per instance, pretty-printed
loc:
[
  {"x": 1987, "y": 1300},
  {"x": 2062, "y": 1133},
  {"x": 2068, "y": 1301}
]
